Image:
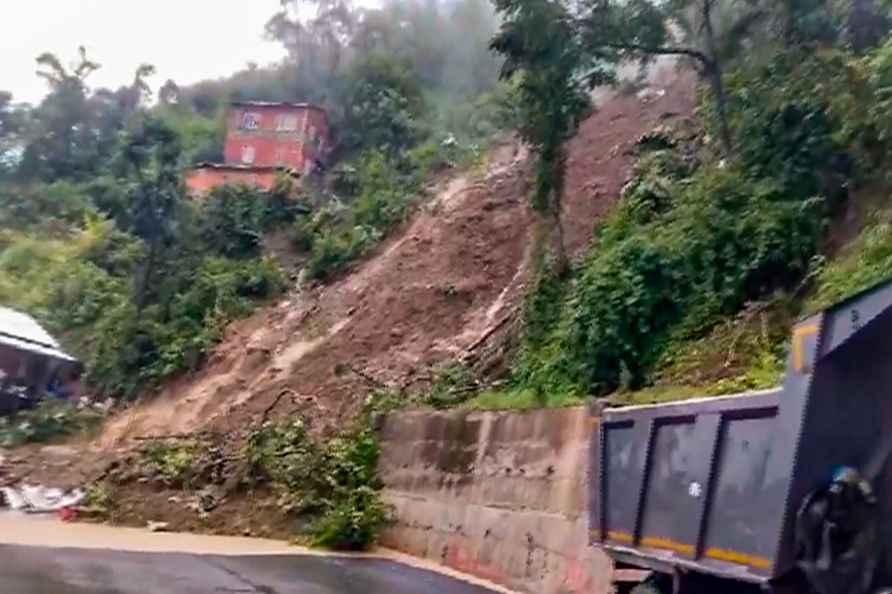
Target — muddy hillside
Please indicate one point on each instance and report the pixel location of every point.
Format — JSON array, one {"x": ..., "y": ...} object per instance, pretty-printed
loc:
[{"x": 435, "y": 292}]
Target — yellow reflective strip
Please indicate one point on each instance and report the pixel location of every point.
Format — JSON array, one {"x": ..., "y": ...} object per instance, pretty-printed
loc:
[
  {"x": 619, "y": 536},
  {"x": 739, "y": 558},
  {"x": 670, "y": 545},
  {"x": 799, "y": 335}
]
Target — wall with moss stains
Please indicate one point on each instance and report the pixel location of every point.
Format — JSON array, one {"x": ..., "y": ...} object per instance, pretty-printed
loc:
[{"x": 500, "y": 495}]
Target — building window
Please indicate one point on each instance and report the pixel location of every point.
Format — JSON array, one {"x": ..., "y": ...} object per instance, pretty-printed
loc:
[
  {"x": 248, "y": 154},
  {"x": 250, "y": 121},
  {"x": 287, "y": 123}
]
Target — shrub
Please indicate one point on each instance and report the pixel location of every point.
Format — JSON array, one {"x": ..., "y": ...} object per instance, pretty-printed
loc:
[
  {"x": 336, "y": 482},
  {"x": 48, "y": 421},
  {"x": 99, "y": 499},
  {"x": 670, "y": 262},
  {"x": 132, "y": 349},
  {"x": 728, "y": 240},
  {"x": 800, "y": 119},
  {"x": 233, "y": 219},
  {"x": 173, "y": 463},
  {"x": 354, "y": 521},
  {"x": 336, "y": 235}
]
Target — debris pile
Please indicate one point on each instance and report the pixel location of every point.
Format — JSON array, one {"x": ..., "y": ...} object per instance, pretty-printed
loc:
[{"x": 39, "y": 499}]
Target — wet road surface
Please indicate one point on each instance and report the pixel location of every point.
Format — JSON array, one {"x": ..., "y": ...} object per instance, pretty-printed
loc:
[{"x": 41, "y": 570}]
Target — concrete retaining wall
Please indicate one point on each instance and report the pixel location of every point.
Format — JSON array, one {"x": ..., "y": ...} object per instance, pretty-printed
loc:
[{"x": 500, "y": 495}]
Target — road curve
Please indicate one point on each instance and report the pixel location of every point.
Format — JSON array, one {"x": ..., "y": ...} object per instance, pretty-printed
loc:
[
  {"x": 41, "y": 570},
  {"x": 44, "y": 556}
]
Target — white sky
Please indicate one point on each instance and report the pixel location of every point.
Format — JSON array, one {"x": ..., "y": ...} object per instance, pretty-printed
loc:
[{"x": 186, "y": 40}]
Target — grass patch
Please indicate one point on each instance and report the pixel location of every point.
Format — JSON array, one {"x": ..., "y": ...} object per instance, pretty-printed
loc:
[
  {"x": 863, "y": 263},
  {"x": 522, "y": 399}
]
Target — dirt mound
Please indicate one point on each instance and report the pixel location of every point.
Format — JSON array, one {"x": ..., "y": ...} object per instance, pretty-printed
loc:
[
  {"x": 601, "y": 155},
  {"x": 426, "y": 296}
]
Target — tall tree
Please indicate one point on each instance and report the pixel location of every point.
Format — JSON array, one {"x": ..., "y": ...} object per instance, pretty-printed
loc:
[
  {"x": 383, "y": 101},
  {"x": 315, "y": 32},
  {"x": 169, "y": 93},
  {"x": 58, "y": 76},
  {"x": 543, "y": 49},
  {"x": 133, "y": 96},
  {"x": 704, "y": 31},
  {"x": 152, "y": 153},
  {"x": 866, "y": 25},
  {"x": 62, "y": 143}
]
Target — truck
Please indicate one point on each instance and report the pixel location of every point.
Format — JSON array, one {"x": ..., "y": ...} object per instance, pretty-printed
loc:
[{"x": 782, "y": 490}]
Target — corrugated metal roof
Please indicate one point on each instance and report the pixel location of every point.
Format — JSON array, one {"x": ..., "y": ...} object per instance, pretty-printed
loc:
[
  {"x": 22, "y": 332},
  {"x": 277, "y": 104},
  {"x": 241, "y": 167}
]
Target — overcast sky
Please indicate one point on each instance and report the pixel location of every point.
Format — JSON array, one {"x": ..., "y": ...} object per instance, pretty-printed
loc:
[{"x": 186, "y": 40}]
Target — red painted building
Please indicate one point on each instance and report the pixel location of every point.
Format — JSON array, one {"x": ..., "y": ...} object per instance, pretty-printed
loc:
[{"x": 264, "y": 140}]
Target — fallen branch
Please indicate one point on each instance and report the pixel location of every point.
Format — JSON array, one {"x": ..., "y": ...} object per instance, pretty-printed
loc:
[
  {"x": 368, "y": 378},
  {"x": 476, "y": 344},
  {"x": 275, "y": 403}
]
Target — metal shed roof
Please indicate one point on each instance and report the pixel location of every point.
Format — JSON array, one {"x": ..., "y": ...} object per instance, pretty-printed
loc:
[{"x": 21, "y": 331}]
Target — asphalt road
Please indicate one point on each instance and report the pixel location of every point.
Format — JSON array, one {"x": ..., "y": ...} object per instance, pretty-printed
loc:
[{"x": 41, "y": 570}]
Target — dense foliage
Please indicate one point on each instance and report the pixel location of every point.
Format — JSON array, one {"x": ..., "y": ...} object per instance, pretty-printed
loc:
[
  {"x": 333, "y": 482},
  {"x": 694, "y": 238},
  {"x": 99, "y": 242},
  {"x": 49, "y": 421},
  {"x": 137, "y": 280}
]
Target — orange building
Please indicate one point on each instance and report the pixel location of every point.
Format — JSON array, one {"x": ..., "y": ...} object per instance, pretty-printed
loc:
[{"x": 263, "y": 141}]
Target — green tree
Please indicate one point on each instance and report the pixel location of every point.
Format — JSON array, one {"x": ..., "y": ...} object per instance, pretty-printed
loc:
[
  {"x": 13, "y": 124},
  {"x": 543, "y": 49},
  {"x": 383, "y": 104},
  {"x": 152, "y": 153},
  {"x": 133, "y": 96},
  {"x": 62, "y": 141},
  {"x": 707, "y": 32}
]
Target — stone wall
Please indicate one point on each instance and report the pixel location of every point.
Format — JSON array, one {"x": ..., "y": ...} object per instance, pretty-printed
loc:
[{"x": 500, "y": 495}]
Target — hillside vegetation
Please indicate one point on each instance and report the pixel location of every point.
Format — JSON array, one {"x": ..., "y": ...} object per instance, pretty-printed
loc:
[
  {"x": 718, "y": 240},
  {"x": 99, "y": 241},
  {"x": 484, "y": 234}
]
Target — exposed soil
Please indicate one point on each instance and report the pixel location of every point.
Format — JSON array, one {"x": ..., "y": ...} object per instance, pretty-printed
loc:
[
  {"x": 601, "y": 155},
  {"x": 423, "y": 298},
  {"x": 436, "y": 290}
]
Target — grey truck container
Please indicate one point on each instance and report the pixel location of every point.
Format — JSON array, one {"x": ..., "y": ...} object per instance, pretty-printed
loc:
[{"x": 713, "y": 485}]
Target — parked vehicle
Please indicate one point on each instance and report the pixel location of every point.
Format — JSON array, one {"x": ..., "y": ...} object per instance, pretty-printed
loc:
[{"x": 786, "y": 489}]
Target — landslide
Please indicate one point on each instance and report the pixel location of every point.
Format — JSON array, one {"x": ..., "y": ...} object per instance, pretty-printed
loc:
[
  {"x": 428, "y": 295},
  {"x": 439, "y": 289}
]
